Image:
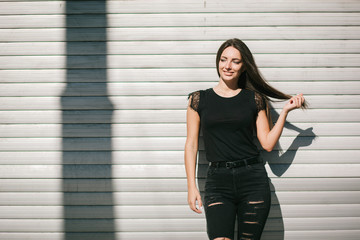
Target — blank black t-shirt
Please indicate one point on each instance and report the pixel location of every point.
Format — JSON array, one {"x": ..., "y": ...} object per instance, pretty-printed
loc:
[{"x": 228, "y": 124}]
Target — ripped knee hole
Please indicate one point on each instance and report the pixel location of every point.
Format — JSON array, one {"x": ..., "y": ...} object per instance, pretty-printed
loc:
[
  {"x": 247, "y": 236},
  {"x": 248, "y": 222},
  {"x": 213, "y": 204},
  {"x": 255, "y": 202}
]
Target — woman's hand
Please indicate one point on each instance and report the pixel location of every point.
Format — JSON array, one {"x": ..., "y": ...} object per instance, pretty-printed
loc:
[
  {"x": 294, "y": 102},
  {"x": 193, "y": 198}
]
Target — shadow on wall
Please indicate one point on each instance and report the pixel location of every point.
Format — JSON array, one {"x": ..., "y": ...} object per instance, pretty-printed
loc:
[
  {"x": 279, "y": 162},
  {"x": 86, "y": 127}
]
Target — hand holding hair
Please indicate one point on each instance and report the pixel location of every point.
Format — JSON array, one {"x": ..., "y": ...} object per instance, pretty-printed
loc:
[{"x": 294, "y": 102}]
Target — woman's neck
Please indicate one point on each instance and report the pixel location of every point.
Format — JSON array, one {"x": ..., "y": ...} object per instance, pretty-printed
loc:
[
  {"x": 226, "y": 90},
  {"x": 227, "y": 86}
]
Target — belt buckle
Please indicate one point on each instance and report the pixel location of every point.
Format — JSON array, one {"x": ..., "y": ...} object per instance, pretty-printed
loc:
[{"x": 230, "y": 164}]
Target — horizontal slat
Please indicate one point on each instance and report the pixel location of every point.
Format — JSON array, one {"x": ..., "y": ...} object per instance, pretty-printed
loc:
[
  {"x": 174, "y": 19},
  {"x": 162, "y": 157},
  {"x": 180, "y": 33},
  {"x": 267, "y": 235},
  {"x": 162, "y": 89},
  {"x": 176, "y": 47},
  {"x": 161, "y": 171},
  {"x": 162, "y": 198},
  {"x": 159, "y": 143},
  {"x": 169, "y": 185},
  {"x": 166, "y": 6},
  {"x": 100, "y": 212},
  {"x": 173, "y": 61},
  {"x": 156, "y": 130},
  {"x": 171, "y": 75},
  {"x": 159, "y": 116},
  {"x": 170, "y": 212},
  {"x": 103, "y": 116},
  {"x": 149, "y": 102},
  {"x": 167, "y": 225}
]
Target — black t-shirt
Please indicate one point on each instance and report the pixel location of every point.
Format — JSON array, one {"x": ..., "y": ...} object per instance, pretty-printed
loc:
[{"x": 228, "y": 124}]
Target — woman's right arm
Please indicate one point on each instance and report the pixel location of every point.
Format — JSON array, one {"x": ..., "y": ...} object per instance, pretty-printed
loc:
[{"x": 191, "y": 148}]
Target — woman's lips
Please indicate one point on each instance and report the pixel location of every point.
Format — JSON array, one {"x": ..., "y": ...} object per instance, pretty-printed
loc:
[{"x": 228, "y": 73}]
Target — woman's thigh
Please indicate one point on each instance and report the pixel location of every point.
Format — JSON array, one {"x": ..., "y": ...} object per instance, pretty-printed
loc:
[
  {"x": 220, "y": 218},
  {"x": 254, "y": 207},
  {"x": 220, "y": 209}
]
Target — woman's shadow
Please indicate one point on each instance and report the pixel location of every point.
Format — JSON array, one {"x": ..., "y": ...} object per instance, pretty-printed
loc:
[{"x": 279, "y": 162}]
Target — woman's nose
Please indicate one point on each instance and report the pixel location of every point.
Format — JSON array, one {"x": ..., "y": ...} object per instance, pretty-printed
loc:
[{"x": 228, "y": 65}]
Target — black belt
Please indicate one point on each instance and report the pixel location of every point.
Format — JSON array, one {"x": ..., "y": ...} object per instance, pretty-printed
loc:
[{"x": 238, "y": 163}]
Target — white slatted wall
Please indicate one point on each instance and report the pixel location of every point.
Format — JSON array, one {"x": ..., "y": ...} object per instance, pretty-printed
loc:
[{"x": 55, "y": 61}]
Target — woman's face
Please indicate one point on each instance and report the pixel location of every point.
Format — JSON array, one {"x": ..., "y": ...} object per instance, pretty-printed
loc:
[{"x": 230, "y": 65}]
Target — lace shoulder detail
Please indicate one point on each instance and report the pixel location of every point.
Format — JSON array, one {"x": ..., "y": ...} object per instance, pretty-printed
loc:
[
  {"x": 260, "y": 102},
  {"x": 194, "y": 100}
]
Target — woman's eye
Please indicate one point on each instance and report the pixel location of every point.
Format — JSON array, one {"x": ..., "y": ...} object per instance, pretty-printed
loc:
[{"x": 222, "y": 60}]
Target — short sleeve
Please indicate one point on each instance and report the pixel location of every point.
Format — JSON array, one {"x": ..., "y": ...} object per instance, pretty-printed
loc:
[
  {"x": 260, "y": 102},
  {"x": 194, "y": 100}
]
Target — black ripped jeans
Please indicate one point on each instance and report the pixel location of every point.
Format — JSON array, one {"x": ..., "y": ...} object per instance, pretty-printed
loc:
[{"x": 239, "y": 192}]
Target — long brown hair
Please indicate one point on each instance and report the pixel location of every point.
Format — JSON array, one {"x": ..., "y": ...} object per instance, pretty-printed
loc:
[{"x": 251, "y": 78}]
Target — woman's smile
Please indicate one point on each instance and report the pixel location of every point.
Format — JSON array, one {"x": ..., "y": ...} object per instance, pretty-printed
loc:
[{"x": 228, "y": 73}]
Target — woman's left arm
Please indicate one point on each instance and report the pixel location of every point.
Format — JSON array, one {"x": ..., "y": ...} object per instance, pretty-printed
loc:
[{"x": 268, "y": 138}]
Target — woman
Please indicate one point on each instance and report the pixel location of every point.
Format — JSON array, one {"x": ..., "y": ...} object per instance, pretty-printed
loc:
[{"x": 237, "y": 184}]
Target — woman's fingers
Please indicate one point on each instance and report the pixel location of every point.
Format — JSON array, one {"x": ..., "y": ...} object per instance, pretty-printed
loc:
[
  {"x": 301, "y": 99},
  {"x": 295, "y": 102},
  {"x": 193, "y": 199},
  {"x": 194, "y": 208},
  {"x": 199, "y": 201},
  {"x": 198, "y": 198},
  {"x": 298, "y": 100}
]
